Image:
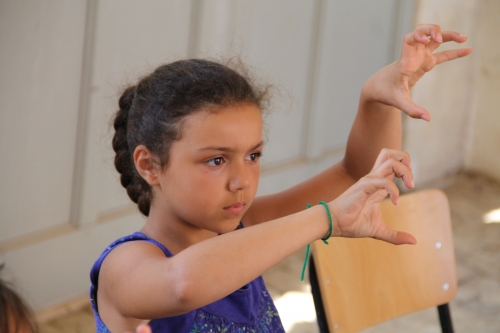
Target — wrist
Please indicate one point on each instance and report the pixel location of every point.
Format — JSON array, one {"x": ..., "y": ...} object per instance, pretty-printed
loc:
[
  {"x": 336, "y": 231},
  {"x": 330, "y": 222},
  {"x": 379, "y": 89}
]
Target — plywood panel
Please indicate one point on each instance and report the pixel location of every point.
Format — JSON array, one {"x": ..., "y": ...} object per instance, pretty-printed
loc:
[
  {"x": 56, "y": 270},
  {"x": 485, "y": 125},
  {"x": 356, "y": 40},
  {"x": 129, "y": 41},
  {"x": 40, "y": 67}
]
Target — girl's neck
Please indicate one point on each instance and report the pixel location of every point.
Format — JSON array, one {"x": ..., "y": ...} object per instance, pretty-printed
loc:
[{"x": 175, "y": 235}]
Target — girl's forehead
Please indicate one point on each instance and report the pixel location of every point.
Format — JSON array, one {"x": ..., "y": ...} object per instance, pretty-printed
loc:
[{"x": 237, "y": 124}]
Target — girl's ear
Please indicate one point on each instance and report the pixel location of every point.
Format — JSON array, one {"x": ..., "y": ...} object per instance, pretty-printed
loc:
[{"x": 144, "y": 163}]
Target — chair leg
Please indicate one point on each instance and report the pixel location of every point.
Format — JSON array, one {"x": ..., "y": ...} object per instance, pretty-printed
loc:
[
  {"x": 318, "y": 303},
  {"x": 445, "y": 318}
]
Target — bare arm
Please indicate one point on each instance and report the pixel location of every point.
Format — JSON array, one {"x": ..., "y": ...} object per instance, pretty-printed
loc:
[
  {"x": 138, "y": 281},
  {"x": 376, "y": 128},
  {"x": 378, "y": 121}
]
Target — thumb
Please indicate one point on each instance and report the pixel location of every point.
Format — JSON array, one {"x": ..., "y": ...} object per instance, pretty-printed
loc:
[
  {"x": 143, "y": 329},
  {"x": 394, "y": 237},
  {"x": 408, "y": 106}
]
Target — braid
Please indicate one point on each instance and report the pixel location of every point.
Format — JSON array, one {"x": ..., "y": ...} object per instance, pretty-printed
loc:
[{"x": 137, "y": 188}]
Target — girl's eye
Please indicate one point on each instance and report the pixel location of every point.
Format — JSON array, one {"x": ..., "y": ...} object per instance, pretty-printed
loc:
[
  {"x": 215, "y": 161},
  {"x": 254, "y": 156}
]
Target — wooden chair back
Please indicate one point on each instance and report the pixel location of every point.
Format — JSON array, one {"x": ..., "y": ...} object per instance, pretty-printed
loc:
[{"x": 364, "y": 282}]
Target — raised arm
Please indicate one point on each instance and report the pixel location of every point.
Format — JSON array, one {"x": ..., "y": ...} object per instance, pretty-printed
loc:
[
  {"x": 378, "y": 121},
  {"x": 377, "y": 127}
]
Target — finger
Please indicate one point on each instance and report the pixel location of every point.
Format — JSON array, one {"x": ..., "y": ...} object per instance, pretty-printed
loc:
[
  {"x": 392, "y": 167},
  {"x": 372, "y": 184},
  {"x": 433, "y": 45},
  {"x": 453, "y": 36},
  {"x": 451, "y": 55},
  {"x": 423, "y": 34},
  {"x": 409, "y": 107},
  {"x": 447, "y": 36},
  {"x": 430, "y": 30},
  {"x": 143, "y": 329},
  {"x": 394, "y": 237},
  {"x": 398, "y": 155}
]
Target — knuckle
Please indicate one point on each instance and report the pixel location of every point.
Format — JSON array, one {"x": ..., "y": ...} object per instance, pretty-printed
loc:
[
  {"x": 364, "y": 180},
  {"x": 386, "y": 182},
  {"x": 392, "y": 161}
]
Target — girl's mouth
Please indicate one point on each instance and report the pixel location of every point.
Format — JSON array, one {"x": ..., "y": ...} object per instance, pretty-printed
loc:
[{"x": 235, "y": 208}]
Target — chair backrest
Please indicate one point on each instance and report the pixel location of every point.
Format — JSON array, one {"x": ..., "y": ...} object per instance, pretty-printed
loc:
[{"x": 364, "y": 282}]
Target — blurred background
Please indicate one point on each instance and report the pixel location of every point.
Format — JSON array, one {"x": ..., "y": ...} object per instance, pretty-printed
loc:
[{"x": 64, "y": 63}]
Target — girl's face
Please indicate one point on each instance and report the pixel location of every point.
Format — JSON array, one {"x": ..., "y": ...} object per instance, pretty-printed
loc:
[{"x": 213, "y": 171}]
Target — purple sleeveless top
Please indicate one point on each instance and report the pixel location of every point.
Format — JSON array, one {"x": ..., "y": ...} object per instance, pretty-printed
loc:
[{"x": 249, "y": 309}]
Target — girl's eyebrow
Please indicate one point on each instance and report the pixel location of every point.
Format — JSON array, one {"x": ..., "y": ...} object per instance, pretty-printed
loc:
[{"x": 227, "y": 149}]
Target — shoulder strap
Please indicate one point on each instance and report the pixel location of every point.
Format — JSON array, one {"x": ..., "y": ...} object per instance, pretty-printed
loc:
[{"x": 137, "y": 236}]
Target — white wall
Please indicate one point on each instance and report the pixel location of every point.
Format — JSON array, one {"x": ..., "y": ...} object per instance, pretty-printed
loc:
[
  {"x": 462, "y": 96},
  {"x": 437, "y": 148},
  {"x": 62, "y": 66},
  {"x": 483, "y": 154},
  {"x": 40, "y": 71}
]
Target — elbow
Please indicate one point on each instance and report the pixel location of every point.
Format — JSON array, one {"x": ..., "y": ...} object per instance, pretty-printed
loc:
[
  {"x": 351, "y": 174},
  {"x": 186, "y": 293}
]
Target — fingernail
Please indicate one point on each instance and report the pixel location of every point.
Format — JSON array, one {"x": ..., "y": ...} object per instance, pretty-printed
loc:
[
  {"x": 439, "y": 38},
  {"x": 425, "y": 117},
  {"x": 460, "y": 35},
  {"x": 412, "y": 184}
]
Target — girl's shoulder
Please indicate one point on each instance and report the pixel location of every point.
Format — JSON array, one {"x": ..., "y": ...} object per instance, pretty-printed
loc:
[
  {"x": 124, "y": 262},
  {"x": 126, "y": 251}
]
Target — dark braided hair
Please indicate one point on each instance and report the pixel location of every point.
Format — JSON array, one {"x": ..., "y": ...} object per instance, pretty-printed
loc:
[{"x": 150, "y": 113}]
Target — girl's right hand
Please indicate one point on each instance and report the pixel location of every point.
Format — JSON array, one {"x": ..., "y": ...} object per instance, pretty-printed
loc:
[
  {"x": 356, "y": 213},
  {"x": 391, "y": 85},
  {"x": 142, "y": 329}
]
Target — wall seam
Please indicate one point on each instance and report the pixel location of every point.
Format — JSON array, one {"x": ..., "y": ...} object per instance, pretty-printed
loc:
[
  {"x": 194, "y": 29},
  {"x": 83, "y": 114},
  {"x": 312, "y": 77},
  {"x": 471, "y": 98}
]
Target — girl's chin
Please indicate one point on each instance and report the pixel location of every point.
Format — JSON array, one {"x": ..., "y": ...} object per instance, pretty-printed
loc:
[{"x": 229, "y": 227}]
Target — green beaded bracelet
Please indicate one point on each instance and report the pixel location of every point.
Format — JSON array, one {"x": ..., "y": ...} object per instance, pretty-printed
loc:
[{"x": 325, "y": 239}]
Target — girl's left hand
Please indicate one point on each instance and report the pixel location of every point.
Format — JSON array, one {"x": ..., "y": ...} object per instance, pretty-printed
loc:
[
  {"x": 391, "y": 85},
  {"x": 356, "y": 212}
]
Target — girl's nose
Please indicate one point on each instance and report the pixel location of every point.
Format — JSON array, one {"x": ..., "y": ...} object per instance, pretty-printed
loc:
[{"x": 240, "y": 179}]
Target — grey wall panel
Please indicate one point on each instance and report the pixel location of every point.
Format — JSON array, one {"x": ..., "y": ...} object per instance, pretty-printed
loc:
[
  {"x": 356, "y": 40},
  {"x": 40, "y": 67},
  {"x": 56, "y": 270},
  {"x": 130, "y": 41}
]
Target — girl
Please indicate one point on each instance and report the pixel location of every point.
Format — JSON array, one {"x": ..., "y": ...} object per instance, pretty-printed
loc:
[
  {"x": 188, "y": 141},
  {"x": 16, "y": 315}
]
